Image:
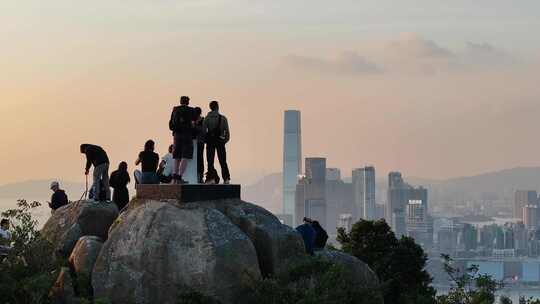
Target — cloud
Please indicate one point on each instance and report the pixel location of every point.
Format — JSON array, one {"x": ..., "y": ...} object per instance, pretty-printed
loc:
[
  {"x": 486, "y": 55},
  {"x": 407, "y": 54},
  {"x": 414, "y": 46},
  {"x": 347, "y": 63}
]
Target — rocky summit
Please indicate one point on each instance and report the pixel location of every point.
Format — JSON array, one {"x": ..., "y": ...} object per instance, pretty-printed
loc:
[{"x": 155, "y": 249}]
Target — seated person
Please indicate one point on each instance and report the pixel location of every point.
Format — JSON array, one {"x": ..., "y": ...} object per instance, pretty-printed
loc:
[
  {"x": 149, "y": 160},
  {"x": 5, "y": 237},
  {"x": 166, "y": 167},
  {"x": 59, "y": 197},
  {"x": 119, "y": 181},
  {"x": 308, "y": 235},
  {"x": 321, "y": 236}
]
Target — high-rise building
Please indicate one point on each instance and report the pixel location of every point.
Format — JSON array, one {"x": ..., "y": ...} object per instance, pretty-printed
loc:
[
  {"x": 404, "y": 205},
  {"x": 292, "y": 161},
  {"x": 363, "y": 181},
  {"x": 395, "y": 180},
  {"x": 333, "y": 174},
  {"x": 396, "y": 204},
  {"x": 311, "y": 192},
  {"x": 523, "y": 198},
  {"x": 316, "y": 170},
  {"x": 530, "y": 217},
  {"x": 470, "y": 237},
  {"x": 418, "y": 221}
]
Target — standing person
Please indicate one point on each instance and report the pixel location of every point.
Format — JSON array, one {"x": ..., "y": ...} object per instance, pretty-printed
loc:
[
  {"x": 149, "y": 161},
  {"x": 58, "y": 198},
  {"x": 119, "y": 181},
  {"x": 96, "y": 156},
  {"x": 217, "y": 134},
  {"x": 181, "y": 124},
  {"x": 200, "y": 143},
  {"x": 166, "y": 166}
]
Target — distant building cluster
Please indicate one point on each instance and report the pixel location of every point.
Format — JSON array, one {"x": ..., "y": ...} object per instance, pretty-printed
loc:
[
  {"x": 501, "y": 237},
  {"x": 320, "y": 193}
]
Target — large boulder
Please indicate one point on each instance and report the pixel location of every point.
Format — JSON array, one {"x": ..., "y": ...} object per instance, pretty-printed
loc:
[
  {"x": 68, "y": 223},
  {"x": 60, "y": 230},
  {"x": 361, "y": 273},
  {"x": 96, "y": 218},
  {"x": 82, "y": 262},
  {"x": 157, "y": 249},
  {"x": 277, "y": 245}
]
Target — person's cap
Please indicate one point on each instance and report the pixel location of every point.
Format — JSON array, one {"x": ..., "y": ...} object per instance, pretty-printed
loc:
[
  {"x": 308, "y": 220},
  {"x": 55, "y": 184}
]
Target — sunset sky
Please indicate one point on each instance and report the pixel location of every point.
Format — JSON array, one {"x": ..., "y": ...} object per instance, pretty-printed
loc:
[{"x": 430, "y": 87}]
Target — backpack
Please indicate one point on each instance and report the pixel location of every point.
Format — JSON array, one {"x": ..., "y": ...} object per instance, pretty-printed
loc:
[
  {"x": 214, "y": 135},
  {"x": 181, "y": 119}
]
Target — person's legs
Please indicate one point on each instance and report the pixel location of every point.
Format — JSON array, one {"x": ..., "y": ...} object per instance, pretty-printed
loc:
[
  {"x": 137, "y": 174},
  {"x": 187, "y": 155},
  {"x": 177, "y": 155},
  {"x": 222, "y": 157},
  {"x": 105, "y": 180},
  {"x": 183, "y": 166},
  {"x": 200, "y": 161},
  {"x": 210, "y": 155},
  {"x": 95, "y": 182}
]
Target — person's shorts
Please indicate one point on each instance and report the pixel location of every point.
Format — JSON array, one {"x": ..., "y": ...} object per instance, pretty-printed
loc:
[{"x": 183, "y": 147}]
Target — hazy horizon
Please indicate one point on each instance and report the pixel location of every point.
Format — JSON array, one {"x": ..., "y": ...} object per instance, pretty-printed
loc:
[{"x": 430, "y": 88}]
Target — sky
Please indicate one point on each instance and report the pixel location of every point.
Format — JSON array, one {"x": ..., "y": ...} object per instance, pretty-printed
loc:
[{"x": 431, "y": 88}]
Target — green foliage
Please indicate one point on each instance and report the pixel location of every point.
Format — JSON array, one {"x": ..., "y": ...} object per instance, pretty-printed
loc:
[
  {"x": 469, "y": 286},
  {"x": 309, "y": 281},
  {"x": 189, "y": 296},
  {"x": 29, "y": 271},
  {"x": 399, "y": 264}
]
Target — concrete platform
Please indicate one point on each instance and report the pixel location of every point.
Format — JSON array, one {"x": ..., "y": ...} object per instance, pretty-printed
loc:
[{"x": 188, "y": 193}]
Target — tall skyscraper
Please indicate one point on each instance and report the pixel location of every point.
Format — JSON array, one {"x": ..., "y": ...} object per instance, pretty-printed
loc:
[
  {"x": 363, "y": 181},
  {"x": 292, "y": 161},
  {"x": 311, "y": 192},
  {"x": 397, "y": 199},
  {"x": 523, "y": 198}
]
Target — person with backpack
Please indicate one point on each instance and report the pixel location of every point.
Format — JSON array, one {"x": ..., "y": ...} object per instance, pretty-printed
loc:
[
  {"x": 119, "y": 181},
  {"x": 97, "y": 157},
  {"x": 217, "y": 135},
  {"x": 182, "y": 126},
  {"x": 58, "y": 198}
]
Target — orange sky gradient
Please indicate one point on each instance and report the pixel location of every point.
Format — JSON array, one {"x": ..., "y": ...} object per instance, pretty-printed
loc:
[{"x": 406, "y": 99}]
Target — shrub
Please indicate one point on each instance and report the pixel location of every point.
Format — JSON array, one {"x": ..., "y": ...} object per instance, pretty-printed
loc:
[
  {"x": 30, "y": 269},
  {"x": 311, "y": 280}
]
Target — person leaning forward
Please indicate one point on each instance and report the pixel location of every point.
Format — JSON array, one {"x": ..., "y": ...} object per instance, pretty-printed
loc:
[{"x": 96, "y": 156}]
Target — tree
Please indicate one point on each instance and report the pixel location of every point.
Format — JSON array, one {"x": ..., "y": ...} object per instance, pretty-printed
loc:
[
  {"x": 311, "y": 281},
  {"x": 469, "y": 286},
  {"x": 399, "y": 264},
  {"x": 29, "y": 271}
]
